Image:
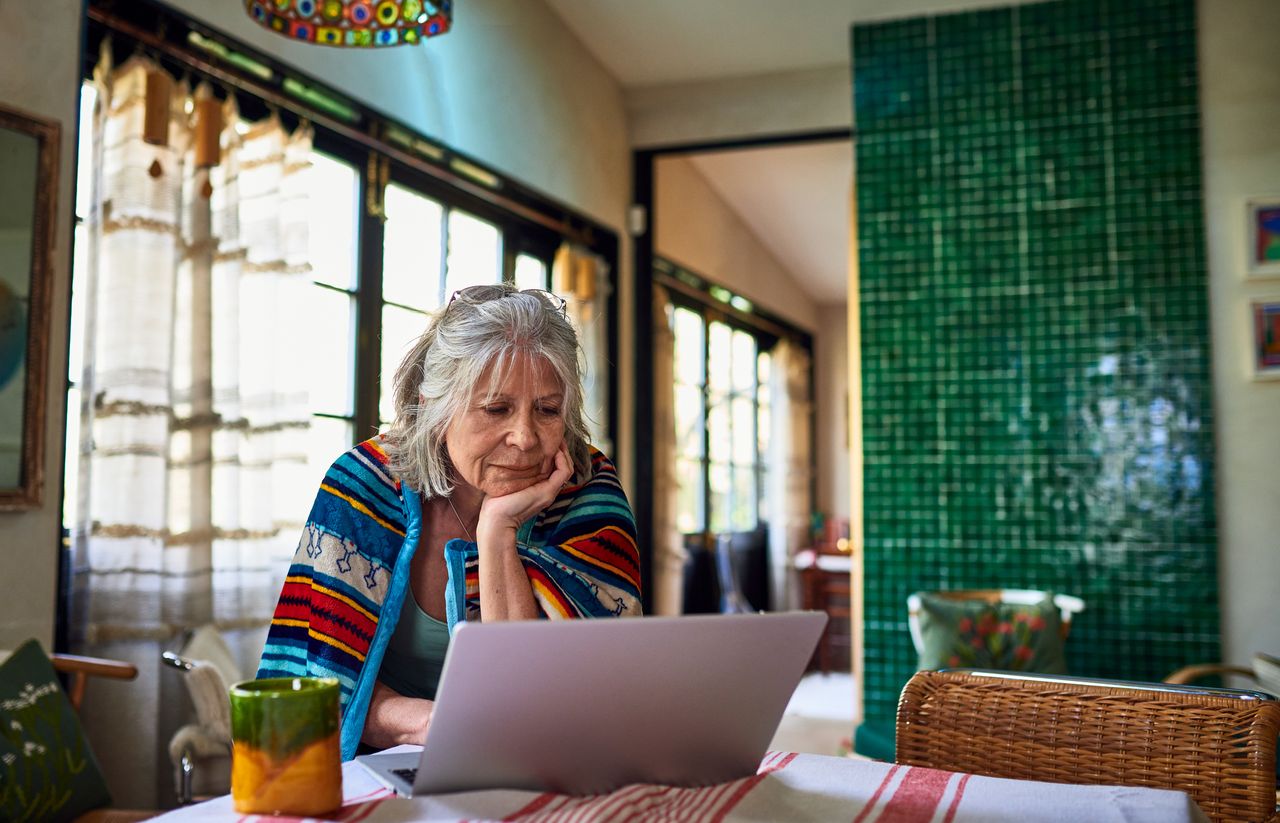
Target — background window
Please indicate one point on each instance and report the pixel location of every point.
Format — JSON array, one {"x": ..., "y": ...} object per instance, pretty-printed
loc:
[
  {"x": 720, "y": 436},
  {"x": 530, "y": 272},
  {"x": 419, "y": 275},
  {"x": 329, "y": 356}
]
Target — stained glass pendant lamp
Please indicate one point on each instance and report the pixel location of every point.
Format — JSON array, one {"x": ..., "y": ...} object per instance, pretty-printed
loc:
[{"x": 354, "y": 23}]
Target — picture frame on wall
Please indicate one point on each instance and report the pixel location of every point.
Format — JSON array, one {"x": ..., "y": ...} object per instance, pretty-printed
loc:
[
  {"x": 1263, "y": 223},
  {"x": 1265, "y": 345}
]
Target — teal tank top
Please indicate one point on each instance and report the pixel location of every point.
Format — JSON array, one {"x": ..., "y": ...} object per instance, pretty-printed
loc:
[{"x": 415, "y": 652}]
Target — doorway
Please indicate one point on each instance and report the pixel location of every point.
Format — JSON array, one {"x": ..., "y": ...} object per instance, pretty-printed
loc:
[{"x": 747, "y": 240}]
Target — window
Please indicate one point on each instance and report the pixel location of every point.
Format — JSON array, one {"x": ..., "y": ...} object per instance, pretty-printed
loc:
[
  {"x": 330, "y": 357},
  {"x": 722, "y": 420},
  {"x": 425, "y": 250},
  {"x": 445, "y": 222},
  {"x": 76, "y": 341},
  {"x": 428, "y": 252}
]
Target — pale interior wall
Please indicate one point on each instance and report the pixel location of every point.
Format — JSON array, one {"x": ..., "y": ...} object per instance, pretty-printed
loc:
[
  {"x": 39, "y": 74},
  {"x": 784, "y": 103},
  {"x": 695, "y": 228},
  {"x": 853, "y": 332},
  {"x": 511, "y": 86},
  {"x": 831, "y": 366},
  {"x": 1240, "y": 116}
]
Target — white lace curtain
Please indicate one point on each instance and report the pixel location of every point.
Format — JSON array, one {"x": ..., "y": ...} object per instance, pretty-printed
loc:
[
  {"x": 194, "y": 422},
  {"x": 669, "y": 553},
  {"x": 790, "y": 468},
  {"x": 582, "y": 278}
]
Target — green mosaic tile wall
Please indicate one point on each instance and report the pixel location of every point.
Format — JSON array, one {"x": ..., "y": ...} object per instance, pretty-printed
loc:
[{"x": 1035, "y": 333}]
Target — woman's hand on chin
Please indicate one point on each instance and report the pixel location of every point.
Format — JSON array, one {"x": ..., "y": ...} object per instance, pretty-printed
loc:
[{"x": 508, "y": 511}]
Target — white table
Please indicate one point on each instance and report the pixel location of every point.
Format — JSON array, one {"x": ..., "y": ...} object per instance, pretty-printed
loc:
[{"x": 788, "y": 787}]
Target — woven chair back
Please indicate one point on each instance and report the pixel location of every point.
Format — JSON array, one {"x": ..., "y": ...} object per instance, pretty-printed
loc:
[{"x": 1217, "y": 745}]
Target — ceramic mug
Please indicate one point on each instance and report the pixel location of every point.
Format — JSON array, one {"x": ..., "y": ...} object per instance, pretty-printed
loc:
[{"x": 286, "y": 757}]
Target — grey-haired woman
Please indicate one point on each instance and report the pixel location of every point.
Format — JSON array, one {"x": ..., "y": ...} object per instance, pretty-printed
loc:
[{"x": 483, "y": 501}]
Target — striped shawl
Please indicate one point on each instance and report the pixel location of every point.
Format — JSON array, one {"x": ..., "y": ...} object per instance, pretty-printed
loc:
[{"x": 352, "y": 566}]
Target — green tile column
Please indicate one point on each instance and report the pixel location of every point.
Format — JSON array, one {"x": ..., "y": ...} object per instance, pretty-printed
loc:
[{"x": 1036, "y": 389}]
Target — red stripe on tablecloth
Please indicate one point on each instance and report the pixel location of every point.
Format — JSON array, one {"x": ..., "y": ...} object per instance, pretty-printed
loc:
[
  {"x": 383, "y": 791},
  {"x": 683, "y": 799},
  {"x": 917, "y": 796},
  {"x": 655, "y": 800},
  {"x": 536, "y": 805},
  {"x": 353, "y": 810},
  {"x": 364, "y": 810},
  {"x": 705, "y": 800},
  {"x": 635, "y": 802},
  {"x": 595, "y": 808},
  {"x": 779, "y": 763},
  {"x": 624, "y": 804},
  {"x": 871, "y": 804},
  {"x": 566, "y": 811},
  {"x": 693, "y": 803},
  {"x": 696, "y": 802},
  {"x": 955, "y": 799},
  {"x": 556, "y": 811},
  {"x": 750, "y": 783}
]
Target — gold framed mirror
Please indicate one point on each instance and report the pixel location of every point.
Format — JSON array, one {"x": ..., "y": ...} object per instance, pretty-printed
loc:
[{"x": 28, "y": 203}]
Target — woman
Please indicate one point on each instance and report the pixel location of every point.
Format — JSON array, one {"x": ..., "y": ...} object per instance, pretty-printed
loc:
[{"x": 483, "y": 501}]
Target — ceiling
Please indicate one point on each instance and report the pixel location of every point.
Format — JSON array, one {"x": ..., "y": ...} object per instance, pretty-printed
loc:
[
  {"x": 657, "y": 42},
  {"x": 795, "y": 198}
]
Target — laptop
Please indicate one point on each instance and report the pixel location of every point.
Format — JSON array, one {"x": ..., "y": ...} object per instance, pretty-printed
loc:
[{"x": 586, "y": 706}]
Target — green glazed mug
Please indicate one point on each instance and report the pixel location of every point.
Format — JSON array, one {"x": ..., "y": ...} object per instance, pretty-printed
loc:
[{"x": 286, "y": 757}]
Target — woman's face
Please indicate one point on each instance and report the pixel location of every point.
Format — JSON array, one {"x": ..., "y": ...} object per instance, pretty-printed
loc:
[{"x": 507, "y": 442}]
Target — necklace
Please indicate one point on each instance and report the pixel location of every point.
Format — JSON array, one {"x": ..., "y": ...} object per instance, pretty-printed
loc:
[{"x": 465, "y": 530}]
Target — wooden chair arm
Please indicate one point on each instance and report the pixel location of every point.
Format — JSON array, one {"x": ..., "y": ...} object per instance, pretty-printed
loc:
[
  {"x": 1190, "y": 674},
  {"x": 80, "y": 669},
  {"x": 115, "y": 816}
]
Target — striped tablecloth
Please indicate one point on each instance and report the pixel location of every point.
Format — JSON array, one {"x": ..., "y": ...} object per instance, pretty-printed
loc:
[{"x": 788, "y": 787}]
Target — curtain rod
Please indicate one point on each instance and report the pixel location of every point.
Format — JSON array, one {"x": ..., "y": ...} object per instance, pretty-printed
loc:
[
  {"x": 153, "y": 41},
  {"x": 753, "y": 320}
]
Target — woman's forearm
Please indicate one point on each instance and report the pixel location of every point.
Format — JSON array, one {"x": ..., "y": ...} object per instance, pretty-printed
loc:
[
  {"x": 505, "y": 591},
  {"x": 394, "y": 719}
]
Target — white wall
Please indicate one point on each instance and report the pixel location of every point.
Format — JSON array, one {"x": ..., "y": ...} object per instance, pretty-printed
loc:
[
  {"x": 737, "y": 107},
  {"x": 694, "y": 227},
  {"x": 1240, "y": 105},
  {"x": 511, "y": 86},
  {"x": 39, "y": 73},
  {"x": 831, "y": 367}
]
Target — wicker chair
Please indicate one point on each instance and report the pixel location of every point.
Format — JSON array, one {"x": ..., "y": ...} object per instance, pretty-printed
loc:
[
  {"x": 1265, "y": 672},
  {"x": 1217, "y": 745}
]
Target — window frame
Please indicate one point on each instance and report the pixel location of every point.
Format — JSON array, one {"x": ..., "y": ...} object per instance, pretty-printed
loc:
[
  {"x": 709, "y": 313},
  {"x": 516, "y": 237}
]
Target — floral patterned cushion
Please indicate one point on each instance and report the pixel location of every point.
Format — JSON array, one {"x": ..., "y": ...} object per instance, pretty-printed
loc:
[
  {"x": 975, "y": 634},
  {"x": 47, "y": 772}
]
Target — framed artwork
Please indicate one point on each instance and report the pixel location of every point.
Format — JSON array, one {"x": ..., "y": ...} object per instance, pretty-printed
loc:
[
  {"x": 1266, "y": 338},
  {"x": 28, "y": 187},
  {"x": 1263, "y": 221}
]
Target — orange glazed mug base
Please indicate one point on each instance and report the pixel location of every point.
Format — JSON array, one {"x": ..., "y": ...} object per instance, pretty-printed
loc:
[{"x": 286, "y": 756}]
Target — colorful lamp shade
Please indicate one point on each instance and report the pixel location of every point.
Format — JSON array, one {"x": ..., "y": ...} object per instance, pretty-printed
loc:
[{"x": 354, "y": 23}]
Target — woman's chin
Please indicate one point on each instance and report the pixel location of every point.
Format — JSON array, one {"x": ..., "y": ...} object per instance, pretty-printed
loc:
[{"x": 507, "y": 485}]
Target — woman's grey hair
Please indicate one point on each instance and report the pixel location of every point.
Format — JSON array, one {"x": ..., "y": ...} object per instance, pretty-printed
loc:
[{"x": 479, "y": 327}]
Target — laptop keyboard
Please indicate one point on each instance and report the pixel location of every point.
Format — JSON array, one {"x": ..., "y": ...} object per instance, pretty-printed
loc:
[{"x": 406, "y": 774}]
